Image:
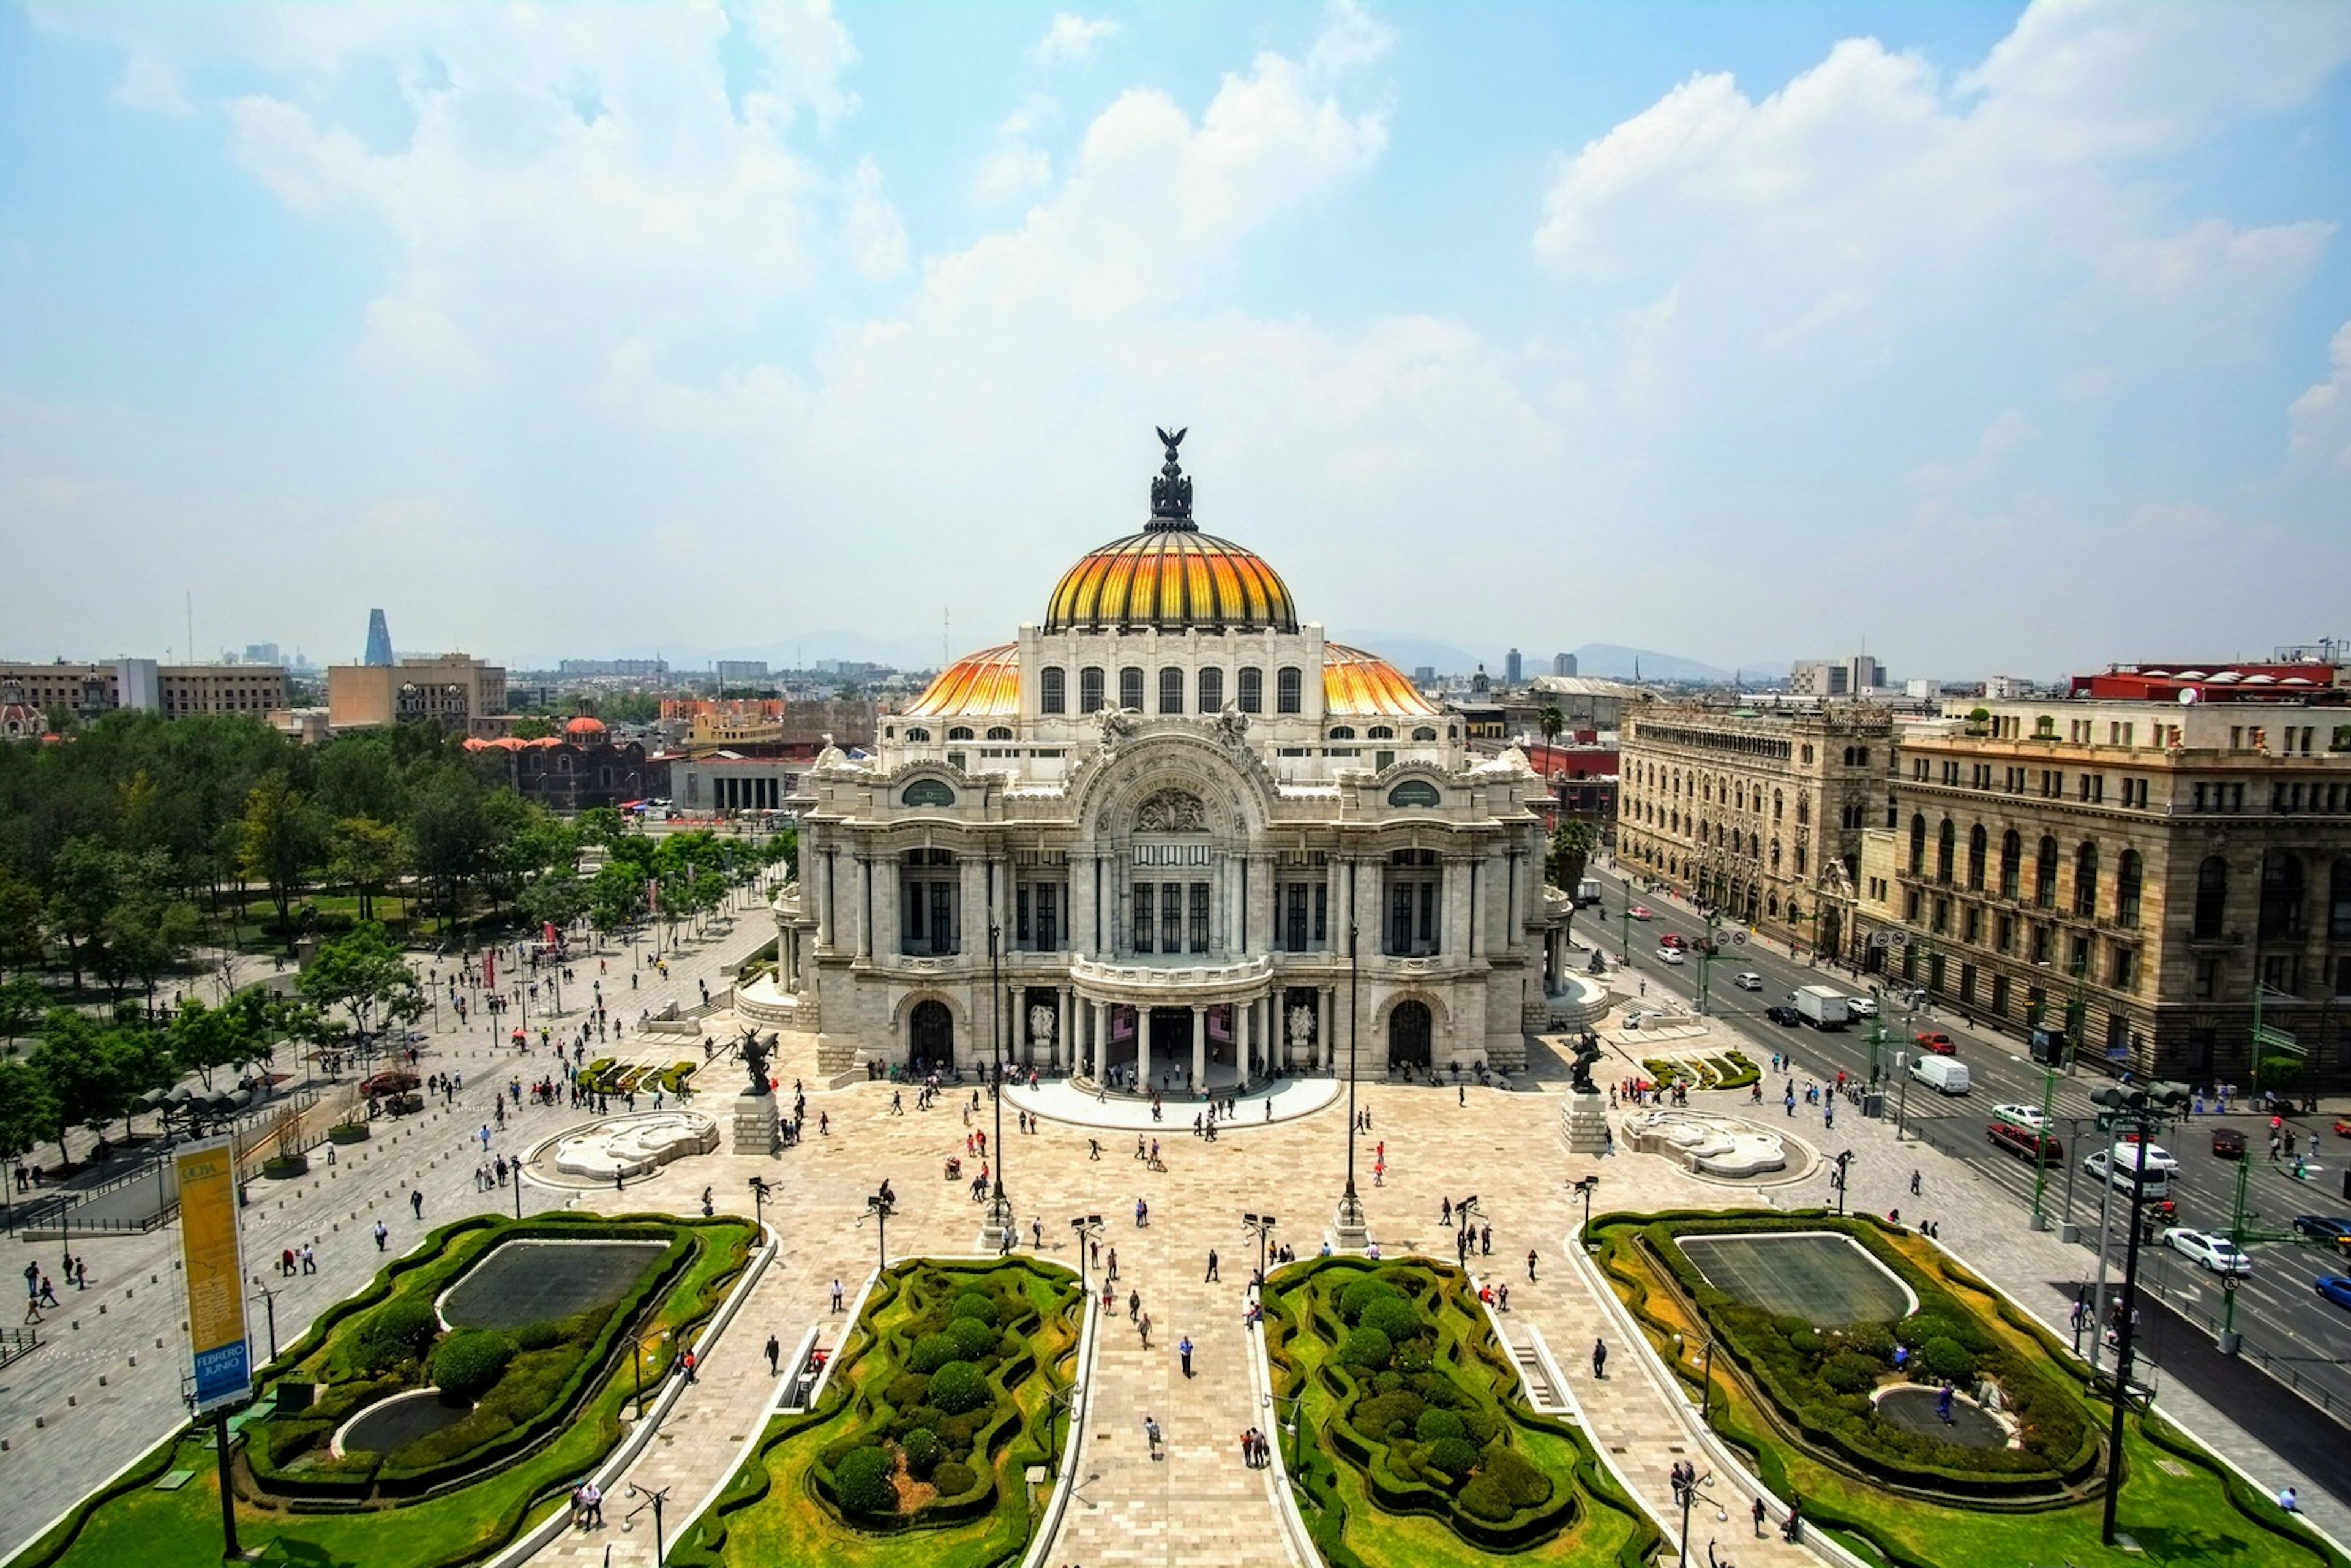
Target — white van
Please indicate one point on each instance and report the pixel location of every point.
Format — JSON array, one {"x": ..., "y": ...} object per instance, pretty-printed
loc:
[{"x": 1941, "y": 1073}]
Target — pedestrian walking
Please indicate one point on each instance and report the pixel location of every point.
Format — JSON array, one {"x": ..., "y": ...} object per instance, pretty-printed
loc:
[
  {"x": 1914, "y": 1184},
  {"x": 1212, "y": 1267},
  {"x": 416, "y": 1202},
  {"x": 1531, "y": 1265},
  {"x": 1134, "y": 1305},
  {"x": 775, "y": 1355},
  {"x": 1486, "y": 1240},
  {"x": 309, "y": 1259},
  {"x": 836, "y": 1295},
  {"x": 1599, "y": 1358},
  {"x": 382, "y": 1234},
  {"x": 1760, "y": 1513},
  {"x": 1183, "y": 1349},
  {"x": 1151, "y": 1434}
]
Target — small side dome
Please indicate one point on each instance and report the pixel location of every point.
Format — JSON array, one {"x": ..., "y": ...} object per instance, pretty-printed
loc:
[{"x": 584, "y": 730}]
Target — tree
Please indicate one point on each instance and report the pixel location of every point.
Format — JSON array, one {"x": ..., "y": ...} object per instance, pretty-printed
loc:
[
  {"x": 554, "y": 898},
  {"x": 28, "y": 1112},
  {"x": 243, "y": 1031},
  {"x": 449, "y": 832},
  {"x": 364, "y": 854},
  {"x": 600, "y": 825},
  {"x": 81, "y": 891},
  {"x": 91, "y": 1074},
  {"x": 22, "y": 1001},
  {"x": 1571, "y": 846},
  {"x": 278, "y": 844},
  {"x": 149, "y": 930},
  {"x": 1551, "y": 721},
  {"x": 364, "y": 975},
  {"x": 533, "y": 728},
  {"x": 616, "y": 899},
  {"x": 20, "y": 923}
]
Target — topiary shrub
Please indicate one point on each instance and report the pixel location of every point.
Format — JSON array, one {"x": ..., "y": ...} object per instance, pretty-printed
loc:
[
  {"x": 920, "y": 1448},
  {"x": 539, "y": 1336},
  {"x": 1870, "y": 1339},
  {"x": 972, "y": 1339},
  {"x": 905, "y": 1391},
  {"x": 1850, "y": 1373},
  {"x": 1454, "y": 1456},
  {"x": 1367, "y": 1349},
  {"x": 1486, "y": 1498},
  {"x": 958, "y": 1386},
  {"x": 1947, "y": 1358},
  {"x": 1357, "y": 1298},
  {"x": 866, "y": 1481},
  {"x": 1521, "y": 1482},
  {"x": 954, "y": 1477},
  {"x": 400, "y": 1331},
  {"x": 1385, "y": 1414},
  {"x": 930, "y": 1351},
  {"x": 470, "y": 1361},
  {"x": 1434, "y": 1423},
  {"x": 1394, "y": 1317},
  {"x": 972, "y": 1304}
]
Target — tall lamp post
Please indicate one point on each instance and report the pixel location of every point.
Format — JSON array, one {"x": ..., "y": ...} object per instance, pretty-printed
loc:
[
  {"x": 1844, "y": 1170},
  {"x": 2140, "y": 1109},
  {"x": 1261, "y": 1226},
  {"x": 1462, "y": 1211},
  {"x": 879, "y": 1205},
  {"x": 1087, "y": 1227},
  {"x": 1351, "y": 1225},
  {"x": 1585, "y": 1184},
  {"x": 759, "y": 1203},
  {"x": 1001, "y": 1222}
]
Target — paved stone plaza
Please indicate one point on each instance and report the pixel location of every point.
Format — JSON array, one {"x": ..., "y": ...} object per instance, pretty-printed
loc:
[{"x": 1198, "y": 1503}]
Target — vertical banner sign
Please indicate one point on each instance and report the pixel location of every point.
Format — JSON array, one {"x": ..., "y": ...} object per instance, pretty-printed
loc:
[
  {"x": 208, "y": 1245},
  {"x": 489, "y": 969}
]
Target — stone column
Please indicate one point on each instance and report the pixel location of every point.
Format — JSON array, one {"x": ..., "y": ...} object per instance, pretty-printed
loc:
[
  {"x": 827, "y": 936},
  {"x": 1326, "y": 1048},
  {"x": 1100, "y": 1058},
  {"x": 1244, "y": 1018},
  {"x": 1062, "y": 1041},
  {"x": 863, "y": 881},
  {"x": 1199, "y": 1047}
]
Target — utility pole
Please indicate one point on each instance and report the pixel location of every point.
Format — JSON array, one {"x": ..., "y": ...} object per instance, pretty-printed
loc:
[{"x": 2141, "y": 1108}]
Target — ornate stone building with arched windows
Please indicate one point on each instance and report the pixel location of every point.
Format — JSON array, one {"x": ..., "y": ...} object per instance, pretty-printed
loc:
[{"x": 1170, "y": 832}]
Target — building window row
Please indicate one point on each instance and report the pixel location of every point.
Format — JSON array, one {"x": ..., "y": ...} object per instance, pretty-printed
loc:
[{"x": 1206, "y": 689}]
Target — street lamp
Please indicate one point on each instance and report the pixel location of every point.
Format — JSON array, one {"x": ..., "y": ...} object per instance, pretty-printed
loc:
[
  {"x": 879, "y": 1205},
  {"x": 269, "y": 1305},
  {"x": 1350, "y": 1222},
  {"x": 1087, "y": 1227},
  {"x": 1585, "y": 1184},
  {"x": 1462, "y": 1210},
  {"x": 1843, "y": 1162},
  {"x": 656, "y": 1498},
  {"x": 1001, "y": 1222},
  {"x": 759, "y": 1202},
  {"x": 1261, "y": 1226},
  {"x": 2141, "y": 1109}
]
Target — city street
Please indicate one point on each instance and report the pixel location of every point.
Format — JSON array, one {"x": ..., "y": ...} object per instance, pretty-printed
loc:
[{"x": 2290, "y": 1331}]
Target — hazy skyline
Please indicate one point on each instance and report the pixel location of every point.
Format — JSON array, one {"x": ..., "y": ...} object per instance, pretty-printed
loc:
[{"x": 2000, "y": 338}]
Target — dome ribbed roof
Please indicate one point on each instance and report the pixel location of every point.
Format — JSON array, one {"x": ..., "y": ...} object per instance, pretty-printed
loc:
[{"x": 1172, "y": 579}]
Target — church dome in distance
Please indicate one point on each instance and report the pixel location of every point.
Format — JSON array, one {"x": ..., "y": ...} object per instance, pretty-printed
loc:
[
  {"x": 584, "y": 731},
  {"x": 1171, "y": 577}
]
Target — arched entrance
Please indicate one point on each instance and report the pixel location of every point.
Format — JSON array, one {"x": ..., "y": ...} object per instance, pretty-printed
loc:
[
  {"x": 1832, "y": 933},
  {"x": 1409, "y": 1029},
  {"x": 930, "y": 1036}
]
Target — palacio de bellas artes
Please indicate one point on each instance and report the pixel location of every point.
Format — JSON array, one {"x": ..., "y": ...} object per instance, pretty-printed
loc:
[{"x": 1193, "y": 842}]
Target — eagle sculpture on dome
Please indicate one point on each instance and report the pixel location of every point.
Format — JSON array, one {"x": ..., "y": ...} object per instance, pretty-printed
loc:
[{"x": 1171, "y": 491}]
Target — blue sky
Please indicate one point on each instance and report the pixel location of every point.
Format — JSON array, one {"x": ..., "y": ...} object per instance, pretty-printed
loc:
[{"x": 2005, "y": 339}]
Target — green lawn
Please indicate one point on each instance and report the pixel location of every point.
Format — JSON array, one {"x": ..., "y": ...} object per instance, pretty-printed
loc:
[
  {"x": 2178, "y": 1505},
  {"x": 135, "y": 1524},
  {"x": 1355, "y": 1529},
  {"x": 773, "y": 1510}
]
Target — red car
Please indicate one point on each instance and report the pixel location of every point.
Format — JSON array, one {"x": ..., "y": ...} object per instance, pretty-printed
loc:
[
  {"x": 1941, "y": 1044},
  {"x": 1670, "y": 939},
  {"x": 389, "y": 1084}
]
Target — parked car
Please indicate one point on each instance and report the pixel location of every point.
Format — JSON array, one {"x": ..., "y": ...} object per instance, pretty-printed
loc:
[
  {"x": 1636, "y": 1019},
  {"x": 2228, "y": 1143},
  {"x": 2024, "y": 1142},
  {"x": 1862, "y": 1007},
  {"x": 1937, "y": 1042},
  {"x": 2335, "y": 1288},
  {"x": 1748, "y": 980},
  {"x": 2323, "y": 1227},
  {"x": 2214, "y": 1254},
  {"x": 1670, "y": 956},
  {"x": 384, "y": 1083},
  {"x": 2021, "y": 1115},
  {"x": 1786, "y": 1018},
  {"x": 1639, "y": 912}
]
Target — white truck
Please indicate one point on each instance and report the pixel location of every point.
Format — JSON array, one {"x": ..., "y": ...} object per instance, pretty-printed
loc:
[
  {"x": 1823, "y": 1006},
  {"x": 1587, "y": 892}
]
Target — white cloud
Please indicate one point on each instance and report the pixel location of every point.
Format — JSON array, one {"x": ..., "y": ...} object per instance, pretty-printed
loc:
[
  {"x": 1071, "y": 40},
  {"x": 2087, "y": 384},
  {"x": 875, "y": 233},
  {"x": 2319, "y": 421},
  {"x": 151, "y": 84},
  {"x": 1016, "y": 167},
  {"x": 1351, "y": 38},
  {"x": 2009, "y": 430}
]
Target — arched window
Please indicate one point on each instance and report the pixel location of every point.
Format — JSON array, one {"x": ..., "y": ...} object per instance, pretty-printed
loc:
[
  {"x": 1130, "y": 688},
  {"x": 1979, "y": 845},
  {"x": 1801, "y": 853},
  {"x": 1170, "y": 690},
  {"x": 1775, "y": 854},
  {"x": 1946, "y": 841},
  {"x": 917, "y": 737},
  {"x": 999, "y": 732},
  {"x": 1803, "y": 810},
  {"x": 1380, "y": 732},
  {"x": 2128, "y": 874},
  {"x": 1425, "y": 732},
  {"x": 2281, "y": 896},
  {"x": 1917, "y": 845},
  {"x": 1052, "y": 690},
  {"x": 2338, "y": 901},
  {"x": 960, "y": 732},
  {"x": 1288, "y": 691},
  {"x": 1342, "y": 732},
  {"x": 1776, "y": 800},
  {"x": 1212, "y": 690},
  {"x": 1251, "y": 689},
  {"x": 2044, "y": 874},
  {"x": 2012, "y": 862},
  {"x": 2085, "y": 881},
  {"x": 2211, "y": 897},
  {"x": 1090, "y": 689}
]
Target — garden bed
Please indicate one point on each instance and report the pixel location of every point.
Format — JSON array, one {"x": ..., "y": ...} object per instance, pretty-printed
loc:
[
  {"x": 1415, "y": 1447},
  {"x": 547, "y": 1401},
  {"x": 917, "y": 1451},
  {"x": 1797, "y": 1399}
]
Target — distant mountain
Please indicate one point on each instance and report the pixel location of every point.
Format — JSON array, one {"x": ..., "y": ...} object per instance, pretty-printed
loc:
[
  {"x": 1615, "y": 661},
  {"x": 1407, "y": 651}
]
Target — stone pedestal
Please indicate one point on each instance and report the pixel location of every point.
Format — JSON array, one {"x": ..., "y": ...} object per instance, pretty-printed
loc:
[
  {"x": 1587, "y": 1117},
  {"x": 1351, "y": 1227},
  {"x": 755, "y": 1124}
]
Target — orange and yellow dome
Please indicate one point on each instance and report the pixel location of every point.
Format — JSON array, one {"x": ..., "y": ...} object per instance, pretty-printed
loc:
[
  {"x": 1170, "y": 579},
  {"x": 1354, "y": 682},
  {"x": 986, "y": 685}
]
